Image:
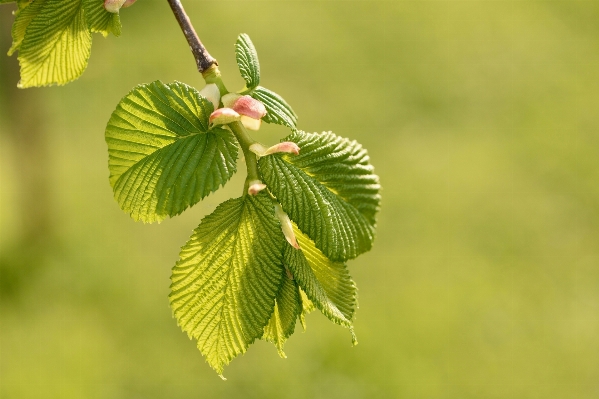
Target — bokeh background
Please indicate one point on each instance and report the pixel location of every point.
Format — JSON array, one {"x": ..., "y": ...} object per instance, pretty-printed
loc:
[{"x": 482, "y": 120}]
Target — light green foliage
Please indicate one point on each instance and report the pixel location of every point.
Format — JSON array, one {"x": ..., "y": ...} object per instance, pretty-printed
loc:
[
  {"x": 23, "y": 17},
  {"x": 327, "y": 284},
  {"x": 279, "y": 111},
  {"x": 307, "y": 308},
  {"x": 56, "y": 45},
  {"x": 162, "y": 156},
  {"x": 329, "y": 191},
  {"x": 99, "y": 20},
  {"x": 224, "y": 285},
  {"x": 54, "y": 40},
  {"x": 247, "y": 60},
  {"x": 288, "y": 307}
]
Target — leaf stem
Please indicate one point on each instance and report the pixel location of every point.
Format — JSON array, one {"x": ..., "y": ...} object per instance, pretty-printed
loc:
[
  {"x": 251, "y": 161},
  {"x": 208, "y": 67},
  {"x": 203, "y": 59}
]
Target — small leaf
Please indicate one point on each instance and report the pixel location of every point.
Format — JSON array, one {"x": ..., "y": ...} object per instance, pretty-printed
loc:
[
  {"x": 278, "y": 111},
  {"x": 330, "y": 191},
  {"x": 247, "y": 60},
  {"x": 224, "y": 285},
  {"x": 163, "y": 158},
  {"x": 23, "y": 17},
  {"x": 326, "y": 283},
  {"x": 288, "y": 307},
  {"x": 56, "y": 46},
  {"x": 99, "y": 20}
]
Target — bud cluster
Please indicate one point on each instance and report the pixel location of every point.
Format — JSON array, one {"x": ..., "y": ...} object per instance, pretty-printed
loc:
[{"x": 236, "y": 107}]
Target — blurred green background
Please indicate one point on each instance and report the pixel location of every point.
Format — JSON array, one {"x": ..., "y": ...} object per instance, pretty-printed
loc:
[{"x": 482, "y": 120}]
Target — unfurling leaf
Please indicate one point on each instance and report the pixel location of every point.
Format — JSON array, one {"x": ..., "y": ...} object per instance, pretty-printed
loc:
[
  {"x": 329, "y": 190},
  {"x": 288, "y": 308},
  {"x": 224, "y": 285},
  {"x": 247, "y": 60},
  {"x": 162, "y": 156}
]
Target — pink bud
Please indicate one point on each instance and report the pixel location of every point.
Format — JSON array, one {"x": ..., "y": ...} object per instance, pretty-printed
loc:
[
  {"x": 246, "y": 105},
  {"x": 113, "y": 6},
  {"x": 223, "y": 116},
  {"x": 255, "y": 187},
  {"x": 286, "y": 146},
  {"x": 128, "y": 3},
  {"x": 250, "y": 123},
  {"x": 212, "y": 94},
  {"x": 286, "y": 226}
]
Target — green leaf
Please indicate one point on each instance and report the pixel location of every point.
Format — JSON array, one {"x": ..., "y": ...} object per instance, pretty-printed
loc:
[
  {"x": 307, "y": 308},
  {"x": 162, "y": 156},
  {"x": 56, "y": 46},
  {"x": 247, "y": 60},
  {"x": 224, "y": 285},
  {"x": 23, "y": 17},
  {"x": 330, "y": 191},
  {"x": 326, "y": 283},
  {"x": 99, "y": 20},
  {"x": 278, "y": 111},
  {"x": 288, "y": 307}
]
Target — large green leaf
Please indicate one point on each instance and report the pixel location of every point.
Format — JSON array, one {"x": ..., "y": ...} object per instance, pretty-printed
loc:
[
  {"x": 23, "y": 17},
  {"x": 56, "y": 46},
  {"x": 278, "y": 111},
  {"x": 162, "y": 156},
  {"x": 288, "y": 307},
  {"x": 247, "y": 60},
  {"x": 330, "y": 191},
  {"x": 99, "y": 20},
  {"x": 224, "y": 285},
  {"x": 326, "y": 283}
]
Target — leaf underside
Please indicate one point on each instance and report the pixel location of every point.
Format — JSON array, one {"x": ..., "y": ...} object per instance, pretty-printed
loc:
[
  {"x": 224, "y": 285},
  {"x": 163, "y": 158},
  {"x": 330, "y": 191}
]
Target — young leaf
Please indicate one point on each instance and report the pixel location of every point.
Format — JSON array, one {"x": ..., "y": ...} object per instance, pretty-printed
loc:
[
  {"x": 247, "y": 60},
  {"x": 162, "y": 156},
  {"x": 327, "y": 284},
  {"x": 99, "y": 20},
  {"x": 23, "y": 17},
  {"x": 278, "y": 111},
  {"x": 288, "y": 307},
  {"x": 330, "y": 191},
  {"x": 224, "y": 285},
  {"x": 56, "y": 46}
]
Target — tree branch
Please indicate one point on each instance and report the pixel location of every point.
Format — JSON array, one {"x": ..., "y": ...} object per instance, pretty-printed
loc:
[{"x": 203, "y": 59}]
